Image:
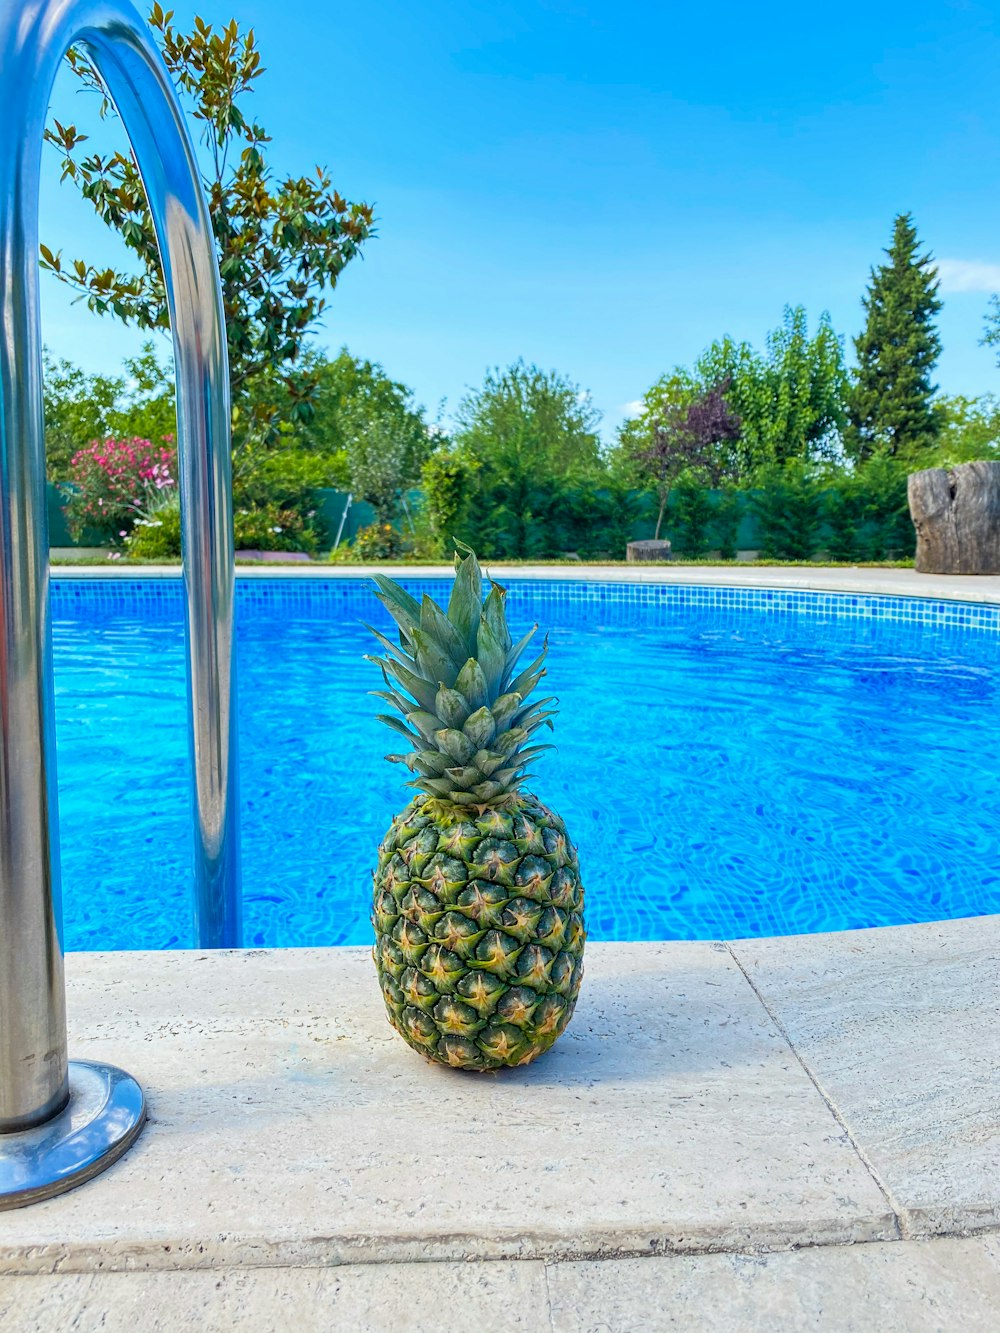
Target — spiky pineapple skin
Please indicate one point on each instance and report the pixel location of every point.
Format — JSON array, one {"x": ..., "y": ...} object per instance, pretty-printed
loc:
[{"x": 479, "y": 932}]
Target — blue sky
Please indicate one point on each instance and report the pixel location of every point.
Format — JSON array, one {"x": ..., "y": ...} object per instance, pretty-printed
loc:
[{"x": 604, "y": 188}]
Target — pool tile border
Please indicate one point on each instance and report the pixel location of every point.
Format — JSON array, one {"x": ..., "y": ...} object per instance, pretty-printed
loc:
[{"x": 614, "y": 600}]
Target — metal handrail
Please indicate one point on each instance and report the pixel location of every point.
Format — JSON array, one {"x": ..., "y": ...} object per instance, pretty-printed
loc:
[{"x": 36, "y": 1082}]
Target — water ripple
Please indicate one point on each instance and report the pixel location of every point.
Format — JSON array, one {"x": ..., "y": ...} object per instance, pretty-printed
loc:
[{"x": 724, "y": 774}]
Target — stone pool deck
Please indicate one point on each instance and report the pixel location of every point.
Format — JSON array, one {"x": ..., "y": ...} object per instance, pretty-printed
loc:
[
  {"x": 793, "y": 1134},
  {"x": 786, "y": 1134}
]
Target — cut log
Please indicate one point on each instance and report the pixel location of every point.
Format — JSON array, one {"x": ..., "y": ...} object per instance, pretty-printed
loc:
[
  {"x": 644, "y": 551},
  {"x": 956, "y": 512}
]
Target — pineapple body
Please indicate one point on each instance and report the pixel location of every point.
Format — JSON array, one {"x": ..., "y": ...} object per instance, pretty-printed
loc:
[
  {"x": 478, "y": 906},
  {"x": 479, "y": 933}
]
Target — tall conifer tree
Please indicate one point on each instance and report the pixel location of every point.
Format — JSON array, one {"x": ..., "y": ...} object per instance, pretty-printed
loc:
[{"x": 891, "y": 408}]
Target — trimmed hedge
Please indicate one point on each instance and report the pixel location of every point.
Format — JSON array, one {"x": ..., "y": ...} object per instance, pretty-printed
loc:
[{"x": 792, "y": 517}]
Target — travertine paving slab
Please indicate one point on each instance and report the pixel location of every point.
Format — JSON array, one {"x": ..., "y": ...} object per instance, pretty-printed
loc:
[
  {"x": 289, "y": 1125},
  {"x": 355, "y": 1298},
  {"x": 939, "y": 1286},
  {"x": 901, "y": 1028}
]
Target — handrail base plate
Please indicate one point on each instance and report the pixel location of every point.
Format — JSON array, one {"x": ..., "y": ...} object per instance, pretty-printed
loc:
[{"x": 102, "y": 1119}]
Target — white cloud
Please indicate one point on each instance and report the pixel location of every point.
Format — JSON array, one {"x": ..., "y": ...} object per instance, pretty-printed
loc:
[
  {"x": 968, "y": 275},
  {"x": 632, "y": 409}
]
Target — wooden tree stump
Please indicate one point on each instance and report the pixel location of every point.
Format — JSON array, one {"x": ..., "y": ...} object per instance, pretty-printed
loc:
[
  {"x": 639, "y": 552},
  {"x": 956, "y": 513}
]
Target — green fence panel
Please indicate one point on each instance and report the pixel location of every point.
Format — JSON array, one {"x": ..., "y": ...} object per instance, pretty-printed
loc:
[
  {"x": 58, "y": 529},
  {"x": 330, "y": 509}
]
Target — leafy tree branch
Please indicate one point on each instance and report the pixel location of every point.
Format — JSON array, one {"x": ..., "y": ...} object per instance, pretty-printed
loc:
[{"x": 282, "y": 242}]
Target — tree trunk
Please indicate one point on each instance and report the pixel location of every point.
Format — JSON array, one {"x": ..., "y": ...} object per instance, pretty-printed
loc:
[
  {"x": 647, "y": 551},
  {"x": 956, "y": 513},
  {"x": 659, "y": 517}
]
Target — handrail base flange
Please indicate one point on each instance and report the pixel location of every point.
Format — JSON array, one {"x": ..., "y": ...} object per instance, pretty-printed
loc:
[{"x": 102, "y": 1119}]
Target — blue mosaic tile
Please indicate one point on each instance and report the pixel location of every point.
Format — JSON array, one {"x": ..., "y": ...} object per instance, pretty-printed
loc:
[{"x": 618, "y": 603}]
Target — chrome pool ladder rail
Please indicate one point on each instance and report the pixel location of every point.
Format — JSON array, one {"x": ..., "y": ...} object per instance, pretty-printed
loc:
[{"x": 62, "y": 1122}]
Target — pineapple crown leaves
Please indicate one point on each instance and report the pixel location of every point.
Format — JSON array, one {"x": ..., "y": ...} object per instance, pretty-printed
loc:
[{"x": 463, "y": 703}]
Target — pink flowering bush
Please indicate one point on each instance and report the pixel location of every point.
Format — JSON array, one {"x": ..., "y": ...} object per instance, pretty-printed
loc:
[{"x": 115, "y": 482}]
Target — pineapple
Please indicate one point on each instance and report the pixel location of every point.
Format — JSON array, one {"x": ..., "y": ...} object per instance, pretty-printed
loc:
[{"x": 478, "y": 905}]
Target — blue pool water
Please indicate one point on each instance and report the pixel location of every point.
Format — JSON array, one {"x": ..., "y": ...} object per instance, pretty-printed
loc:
[{"x": 730, "y": 763}]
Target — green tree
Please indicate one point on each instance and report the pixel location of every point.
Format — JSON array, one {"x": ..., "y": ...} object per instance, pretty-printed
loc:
[
  {"x": 351, "y": 391},
  {"x": 991, "y": 331},
  {"x": 891, "y": 405},
  {"x": 380, "y": 463},
  {"x": 529, "y": 439},
  {"x": 689, "y": 442},
  {"x": 791, "y": 400},
  {"x": 282, "y": 243},
  {"x": 970, "y": 430},
  {"x": 749, "y": 394},
  {"x": 81, "y": 407},
  {"x": 808, "y": 388},
  {"x": 78, "y": 407},
  {"x": 445, "y": 481},
  {"x": 668, "y": 398},
  {"x": 525, "y": 423},
  {"x": 365, "y": 434}
]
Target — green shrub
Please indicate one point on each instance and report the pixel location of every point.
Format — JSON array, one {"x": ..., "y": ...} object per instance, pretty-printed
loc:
[
  {"x": 598, "y": 521},
  {"x": 843, "y": 511},
  {"x": 157, "y": 535},
  {"x": 376, "y": 541},
  {"x": 445, "y": 480},
  {"x": 268, "y": 528},
  {"x": 112, "y": 484},
  {"x": 789, "y": 508},
  {"x": 729, "y": 505},
  {"x": 889, "y": 531},
  {"x": 691, "y": 513},
  {"x": 516, "y": 520},
  {"x": 524, "y": 521},
  {"x": 281, "y": 481},
  {"x": 867, "y": 513}
]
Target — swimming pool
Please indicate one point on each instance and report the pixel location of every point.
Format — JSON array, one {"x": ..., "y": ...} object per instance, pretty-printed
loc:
[{"x": 731, "y": 762}]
